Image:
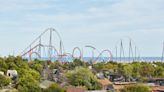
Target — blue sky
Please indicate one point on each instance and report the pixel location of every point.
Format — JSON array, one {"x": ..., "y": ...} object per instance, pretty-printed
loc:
[{"x": 101, "y": 23}]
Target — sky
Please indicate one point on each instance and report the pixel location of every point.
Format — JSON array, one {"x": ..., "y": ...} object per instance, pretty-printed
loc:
[{"x": 100, "y": 23}]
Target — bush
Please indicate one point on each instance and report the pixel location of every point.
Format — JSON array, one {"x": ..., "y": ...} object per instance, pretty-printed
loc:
[
  {"x": 4, "y": 81},
  {"x": 54, "y": 88},
  {"x": 28, "y": 81},
  {"x": 136, "y": 88},
  {"x": 83, "y": 77}
]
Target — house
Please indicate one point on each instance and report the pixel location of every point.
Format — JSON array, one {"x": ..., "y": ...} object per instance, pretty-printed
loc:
[
  {"x": 156, "y": 81},
  {"x": 12, "y": 74},
  {"x": 116, "y": 78},
  {"x": 98, "y": 91},
  {"x": 106, "y": 84},
  {"x": 158, "y": 89},
  {"x": 120, "y": 85},
  {"x": 100, "y": 75}
]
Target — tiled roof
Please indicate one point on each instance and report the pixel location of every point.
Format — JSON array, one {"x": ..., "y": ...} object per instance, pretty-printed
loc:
[
  {"x": 74, "y": 89},
  {"x": 158, "y": 88},
  {"x": 104, "y": 82}
]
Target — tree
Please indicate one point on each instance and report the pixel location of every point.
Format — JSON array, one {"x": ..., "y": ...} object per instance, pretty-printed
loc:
[
  {"x": 78, "y": 62},
  {"x": 83, "y": 77},
  {"x": 28, "y": 84},
  {"x": 3, "y": 66},
  {"x": 99, "y": 66},
  {"x": 147, "y": 69},
  {"x": 55, "y": 65},
  {"x": 36, "y": 66},
  {"x": 136, "y": 69},
  {"x": 126, "y": 70},
  {"x": 159, "y": 71},
  {"x": 28, "y": 81},
  {"x": 75, "y": 63}
]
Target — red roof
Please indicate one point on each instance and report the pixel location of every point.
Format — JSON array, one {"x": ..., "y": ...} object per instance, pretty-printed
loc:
[
  {"x": 73, "y": 89},
  {"x": 104, "y": 82},
  {"x": 158, "y": 88}
]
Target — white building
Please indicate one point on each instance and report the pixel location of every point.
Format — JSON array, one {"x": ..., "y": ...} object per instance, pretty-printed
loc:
[{"x": 12, "y": 73}]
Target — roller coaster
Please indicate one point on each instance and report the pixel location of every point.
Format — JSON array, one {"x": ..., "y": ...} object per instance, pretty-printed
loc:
[
  {"x": 132, "y": 52},
  {"x": 48, "y": 51},
  {"x": 52, "y": 49}
]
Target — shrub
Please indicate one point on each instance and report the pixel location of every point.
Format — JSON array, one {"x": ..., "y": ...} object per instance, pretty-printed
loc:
[
  {"x": 83, "y": 77},
  {"x": 54, "y": 88},
  {"x": 4, "y": 81},
  {"x": 136, "y": 88}
]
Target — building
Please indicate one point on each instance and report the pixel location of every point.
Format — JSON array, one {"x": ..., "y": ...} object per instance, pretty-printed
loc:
[
  {"x": 12, "y": 74},
  {"x": 98, "y": 91},
  {"x": 106, "y": 84},
  {"x": 157, "y": 81},
  {"x": 100, "y": 75},
  {"x": 158, "y": 89},
  {"x": 120, "y": 85},
  {"x": 74, "y": 89}
]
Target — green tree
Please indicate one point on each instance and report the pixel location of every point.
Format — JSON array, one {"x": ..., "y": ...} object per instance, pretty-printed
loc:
[
  {"x": 28, "y": 80},
  {"x": 126, "y": 70},
  {"x": 136, "y": 69},
  {"x": 159, "y": 71},
  {"x": 75, "y": 63},
  {"x": 147, "y": 69},
  {"x": 99, "y": 66},
  {"x": 3, "y": 66},
  {"x": 28, "y": 84},
  {"x": 83, "y": 77},
  {"x": 36, "y": 66}
]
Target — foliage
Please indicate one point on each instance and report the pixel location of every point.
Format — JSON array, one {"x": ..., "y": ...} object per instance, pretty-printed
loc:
[
  {"x": 4, "y": 80},
  {"x": 77, "y": 72},
  {"x": 136, "y": 88},
  {"x": 28, "y": 81},
  {"x": 28, "y": 77},
  {"x": 3, "y": 66},
  {"x": 83, "y": 77},
  {"x": 54, "y": 88},
  {"x": 36, "y": 66},
  {"x": 147, "y": 69},
  {"x": 75, "y": 63}
]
